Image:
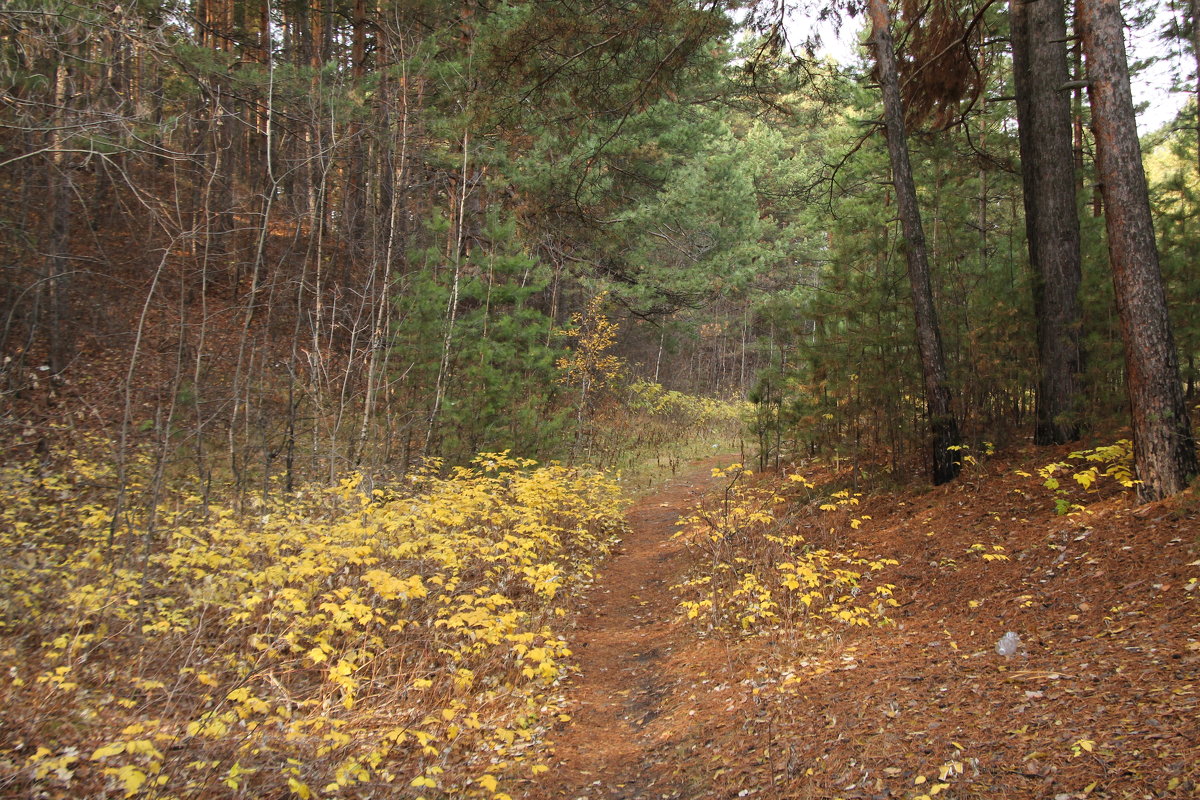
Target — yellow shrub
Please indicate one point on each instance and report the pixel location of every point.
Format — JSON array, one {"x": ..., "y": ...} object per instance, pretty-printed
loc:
[
  {"x": 328, "y": 640},
  {"x": 750, "y": 573}
]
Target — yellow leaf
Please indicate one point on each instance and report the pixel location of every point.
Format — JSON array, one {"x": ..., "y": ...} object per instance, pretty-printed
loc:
[
  {"x": 949, "y": 769},
  {"x": 132, "y": 777},
  {"x": 422, "y": 781},
  {"x": 108, "y": 750},
  {"x": 143, "y": 747},
  {"x": 41, "y": 753},
  {"x": 300, "y": 788},
  {"x": 488, "y": 782}
]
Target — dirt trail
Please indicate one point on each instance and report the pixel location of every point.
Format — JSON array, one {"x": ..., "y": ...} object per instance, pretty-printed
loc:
[
  {"x": 1100, "y": 702},
  {"x": 628, "y": 645}
]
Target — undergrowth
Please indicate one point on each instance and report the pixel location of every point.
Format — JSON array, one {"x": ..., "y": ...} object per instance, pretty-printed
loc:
[
  {"x": 753, "y": 571},
  {"x": 1088, "y": 470},
  {"x": 647, "y": 431},
  {"x": 333, "y": 642}
]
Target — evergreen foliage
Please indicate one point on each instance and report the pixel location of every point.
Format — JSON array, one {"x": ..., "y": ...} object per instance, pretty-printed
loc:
[{"x": 345, "y": 234}]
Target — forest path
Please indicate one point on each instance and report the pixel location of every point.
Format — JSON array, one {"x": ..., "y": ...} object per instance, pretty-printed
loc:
[
  {"x": 1103, "y": 690},
  {"x": 627, "y": 702}
]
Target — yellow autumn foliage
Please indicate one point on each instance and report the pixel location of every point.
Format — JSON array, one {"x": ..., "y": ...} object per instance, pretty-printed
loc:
[
  {"x": 1089, "y": 469},
  {"x": 331, "y": 642},
  {"x": 753, "y": 573}
]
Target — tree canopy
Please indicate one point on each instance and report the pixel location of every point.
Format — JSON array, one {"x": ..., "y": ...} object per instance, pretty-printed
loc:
[{"x": 294, "y": 237}]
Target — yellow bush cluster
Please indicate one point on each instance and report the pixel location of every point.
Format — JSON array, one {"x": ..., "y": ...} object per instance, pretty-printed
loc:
[
  {"x": 1113, "y": 461},
  {"x": 333, "y": 643},
  {"x": 681, "y": 409},
  {"x": 648, "y": 429},
  {"x": 752, "y": 574}
]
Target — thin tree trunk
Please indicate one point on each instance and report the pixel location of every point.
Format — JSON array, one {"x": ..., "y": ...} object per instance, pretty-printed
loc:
[
  {"x": 1194, "y": 8},
  {"x": 1039, "y": 32},
  {"x": 942, "y": 423},
  {"x": 662, "y": 337},
  {"x": 452, "y": 304},
  {"x": 1163, "y": 446},
  {"x": 59, "y": 326},
  {"x": 1077, "y": 119}
]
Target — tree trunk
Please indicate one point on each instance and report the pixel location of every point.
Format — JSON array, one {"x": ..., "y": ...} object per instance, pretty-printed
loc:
[
  {"x": 1163, "y": 446},
  {"x": 1077, "y": 118},
  {"x": 943, "y": 425},
  {"x": 354, "y": 193},
  {"x": 1194, "y": 9},
  {"x": 1039, "y": 32},
  {"x": 59, "y": 325}
]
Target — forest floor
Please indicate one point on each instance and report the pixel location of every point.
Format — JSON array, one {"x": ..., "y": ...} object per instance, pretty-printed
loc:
[{"x": 1101, "y": 700}]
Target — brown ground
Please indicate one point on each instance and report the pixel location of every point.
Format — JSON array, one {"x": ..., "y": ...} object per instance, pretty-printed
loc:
[
  {"x": 1100, "y": 702},
  {"x": 627, "y": 693}
]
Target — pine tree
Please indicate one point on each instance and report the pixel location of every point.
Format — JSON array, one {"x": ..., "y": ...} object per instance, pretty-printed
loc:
[
  {"x": 1164, "y": 446},
  {"x": 1051, "y": 220},
  {"x": 943, "y": 425}
]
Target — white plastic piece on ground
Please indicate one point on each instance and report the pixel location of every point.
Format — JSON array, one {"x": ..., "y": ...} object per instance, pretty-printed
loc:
[{"x": 1008, "y": 644}]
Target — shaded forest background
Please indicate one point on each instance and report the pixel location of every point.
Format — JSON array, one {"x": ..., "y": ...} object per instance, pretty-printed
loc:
[{"x": 278, "y": 239}]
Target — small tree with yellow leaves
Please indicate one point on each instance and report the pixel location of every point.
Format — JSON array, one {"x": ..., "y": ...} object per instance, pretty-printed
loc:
[{"x": 589, "y": 365}]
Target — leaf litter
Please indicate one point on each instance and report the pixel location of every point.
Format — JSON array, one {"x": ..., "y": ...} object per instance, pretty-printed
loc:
[{"x": 1097, "y": 697}]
